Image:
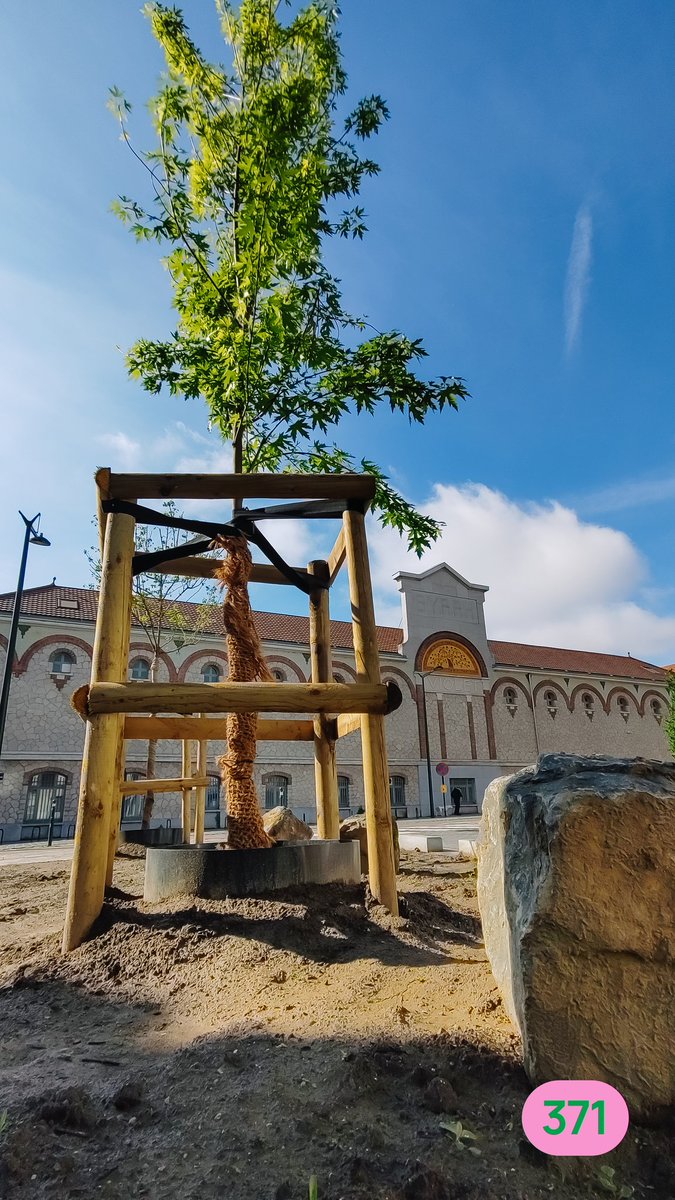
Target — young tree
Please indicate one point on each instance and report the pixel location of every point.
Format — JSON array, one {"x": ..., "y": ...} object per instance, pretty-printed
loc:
[
  {"x": 159, "y": 606},
  {"x": 246, "y": 180}
]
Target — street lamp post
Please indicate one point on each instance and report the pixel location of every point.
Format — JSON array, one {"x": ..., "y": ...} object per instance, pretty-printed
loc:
[
  {"x": 423, "y": 676},
  {"x": 32, "y": 535}
]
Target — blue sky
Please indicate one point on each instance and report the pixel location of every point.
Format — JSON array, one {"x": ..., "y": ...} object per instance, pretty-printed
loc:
[{"x": 523, "y": 224}]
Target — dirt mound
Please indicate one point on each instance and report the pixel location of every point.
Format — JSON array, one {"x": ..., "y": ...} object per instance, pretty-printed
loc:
[{"x": 205, "y": 1049}]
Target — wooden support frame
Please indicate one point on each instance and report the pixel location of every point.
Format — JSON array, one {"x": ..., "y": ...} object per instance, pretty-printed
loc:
[
  {"x": 381, "y": 867},
  {"x": 213, "y": 729},
  {"x": 111, "y": 705},
  {"x": 99, "y": 779},
  {"x": 144, "y": 697},
  {"x": 325, "y": 770}
]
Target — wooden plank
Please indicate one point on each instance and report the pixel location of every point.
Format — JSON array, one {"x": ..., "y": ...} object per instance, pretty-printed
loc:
[
  {"x": 146, "y": 697},
  {"x": 381, "y": 869},
  {"x": 321, "y": 658},
  {"x": 207, "y": 568},
  {"x": 213, "y": 729},
  {"x": 348, "y": 723},
  {"x": 116, "y": 813},
  {"x": 337, "y": 556},
  {"x": 99, "y": 779},
  {"x": 224, "y": 487},
  {"x": 200, "y": 793},
  {"x": 136, "y": 787},
  {"x": 187, "y": 792},
  {"x": 102, "y": 478}
]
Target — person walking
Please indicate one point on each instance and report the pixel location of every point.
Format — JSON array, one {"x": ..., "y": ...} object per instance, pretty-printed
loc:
[{"x": 456, "y": 797}]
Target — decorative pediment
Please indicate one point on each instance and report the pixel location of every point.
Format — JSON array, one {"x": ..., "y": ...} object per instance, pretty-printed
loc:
[{"x": 451, "y": 656}]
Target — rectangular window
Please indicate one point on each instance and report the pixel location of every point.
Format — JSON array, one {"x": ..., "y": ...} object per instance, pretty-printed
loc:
[{"x": 44, "y": 789}]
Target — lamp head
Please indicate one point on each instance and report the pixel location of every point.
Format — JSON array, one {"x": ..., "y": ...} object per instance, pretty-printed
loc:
[{"x": 38, "y": 539}]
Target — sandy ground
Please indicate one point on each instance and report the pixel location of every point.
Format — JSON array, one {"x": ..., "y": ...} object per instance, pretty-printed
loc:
[{"x": 205, "y": 1050}]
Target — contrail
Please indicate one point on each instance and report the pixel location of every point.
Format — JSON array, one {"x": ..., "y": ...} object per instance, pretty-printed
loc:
[{"x": 578, "y": 275}]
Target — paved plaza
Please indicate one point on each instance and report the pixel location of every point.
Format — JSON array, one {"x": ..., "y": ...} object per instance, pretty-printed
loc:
[{"x": 450, "y": 829}]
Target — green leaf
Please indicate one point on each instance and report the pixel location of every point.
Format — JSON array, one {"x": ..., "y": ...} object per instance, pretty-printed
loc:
[{"x": 248, "y": 180}]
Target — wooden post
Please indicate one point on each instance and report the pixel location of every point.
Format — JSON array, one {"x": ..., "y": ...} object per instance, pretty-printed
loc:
[
  {"x": 381, "y": 867},
  {"x": 118, "y": 799},
  {"x": 200, "y": 793},
  {"x": 325, "y": 772},
  {"x": 187, "y": 792},
  {"x": 99, "y": 763}
]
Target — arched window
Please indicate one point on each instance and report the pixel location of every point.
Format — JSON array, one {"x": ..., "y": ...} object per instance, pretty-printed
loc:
[
  {"x": 511, "y": 700},
  {"x": 344, "y": 784},
  {"x": 551, "y": 703},
  {"x": 140, "y": 669},
  {"x": 657, "y": 710},
  {"x": 213, "y": 792},
  {"x": 397, "y": 795},
  {"x": 276, "y": 790},
  {"x": 589, "y": 705},
  {"x": 211, "y": 673},
  {"x": 61, "y": 662},
  {"x": 132, "y": 806},
  {"x": 278, "y": 675},
  {"x": 44, "y": 789},
  {"x": 622, "y": 705}
]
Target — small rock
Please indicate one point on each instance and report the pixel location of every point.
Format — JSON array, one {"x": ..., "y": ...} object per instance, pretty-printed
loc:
[
  {"x": 280, "y": 977},
  {"x": 440, "y": 1096},
  {"x": 354, "y": 829},
  {"x": 282, "y": 826}
]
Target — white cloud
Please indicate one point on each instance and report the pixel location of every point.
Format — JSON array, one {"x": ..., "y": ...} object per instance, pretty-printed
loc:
[
  {"x": 126, "y": 453},
  {"x": 554, "y": 578},
  {"x": 578, "y": 275},
  {"x": 633, "y": 493}
]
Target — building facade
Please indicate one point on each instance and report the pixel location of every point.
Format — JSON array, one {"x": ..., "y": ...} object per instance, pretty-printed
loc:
[{"x": 484, "y": 708}]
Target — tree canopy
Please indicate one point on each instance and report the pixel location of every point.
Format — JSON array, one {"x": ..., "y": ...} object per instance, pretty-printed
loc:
[{"x": 252, "y": 171}]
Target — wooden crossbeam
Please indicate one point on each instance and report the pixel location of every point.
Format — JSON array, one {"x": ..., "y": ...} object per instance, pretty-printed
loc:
[
  {"x": 347, "y": 723},
  {"x": 135, "y": 787},
  {"x": 212, "y": 729},
  {"x": 337, "y": 556},
  {"x": 145, "y": 697},
  {"x": 225, "y": 487},
  {"x": 207, "y": 568}
]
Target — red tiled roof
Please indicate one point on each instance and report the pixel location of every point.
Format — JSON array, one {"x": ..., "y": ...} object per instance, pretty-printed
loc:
[
  {"x": 573, "y": 662},
  {"x": 272, "y": 627}
]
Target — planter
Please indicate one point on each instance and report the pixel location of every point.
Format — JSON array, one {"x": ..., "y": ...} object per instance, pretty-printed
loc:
[{"x": 216, "y": 874}]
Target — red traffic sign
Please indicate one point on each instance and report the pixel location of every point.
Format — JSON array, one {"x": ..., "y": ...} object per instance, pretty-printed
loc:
[{"x": 442, "y": 769}]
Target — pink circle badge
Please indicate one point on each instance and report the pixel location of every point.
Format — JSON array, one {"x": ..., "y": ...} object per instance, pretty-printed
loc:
[{"x": 575, "y": 1116}]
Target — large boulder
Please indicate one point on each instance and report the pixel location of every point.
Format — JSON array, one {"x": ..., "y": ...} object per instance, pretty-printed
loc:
[
  {"x": 354, "y": 829},
  {"x": 576, "y": 887},
  {"x": 283, "y": 826}
]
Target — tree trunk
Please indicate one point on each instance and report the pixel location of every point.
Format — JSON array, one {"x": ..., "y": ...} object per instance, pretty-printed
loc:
[
  {"x": 150, "y": 770},
  {"x": 246, "y": 663}
]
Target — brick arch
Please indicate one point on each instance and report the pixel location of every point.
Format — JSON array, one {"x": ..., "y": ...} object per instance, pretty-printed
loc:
[
  {"x": 551, "y": 684},
  {"x": 147, "y": 651},
  {"x": 657, "y": 696},
  {"x": 340, "y": 666},
  {"x": 509, "y": 681},
  {"x": 278, "y": 660},
  {"x": 624, "y": 692},
  {"x": 395, "y": 671},
  {"x": 207, "y": 656},
  {"x": 41, "y": 770},
  {"x": 445, "y": 635},
  {"x": 588, "y": 687},
  {"x": 54, "y": 639}
]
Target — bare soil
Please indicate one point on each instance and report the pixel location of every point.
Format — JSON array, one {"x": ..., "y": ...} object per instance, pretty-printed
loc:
[{"x": 204, "y": 1050}]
